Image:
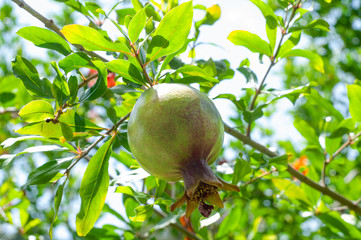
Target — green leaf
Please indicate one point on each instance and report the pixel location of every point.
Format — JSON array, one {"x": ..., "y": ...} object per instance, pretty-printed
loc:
[
  {"x": 354, "y": 97},
  {"x": 251, "y": 116},
  {"x": 291, "y": 42},
  {"x": 36, "y": 111},
  {"x": 345, "y": 126},
  {"x": 91, "y": 39},
  {"x": 315, "y": 60},
  {"x": 230, "y": 223},
  {"x": 26, "y": 71},
  {"x": 122, "y": 13},
  {"x": 213, "y": 13},
  {"x": 67, "y": 131},
  {"x": 315, "y": 98},
  {"x": 194, "y": 71},
  {"x": 73, "y": 89},
  {"x": 139, "y": 196},
  {"x": 122, "y": 89},
  {"x": 137, "y": 5},
  {"x": 47, "y": 171},
  {"x": 307, "y": 132},
  {"x": 93, "y": 189},
  {"x": 59, "y": 88},
  {"x": 45, "y": 38},
  {"x": 142, "y": 213},
  {"x": 291, "y": 190},
  {"x": 251, "y": 41},
  {"x": 57, "y": 201},
  {"x": 337, "y": 225},
  {"x": 250, "y": 76},
  {"x": 316, "y": 24},
  {"x": 136, "y": 25},
  {"x": 172, "y": 32},
  {"x": 241, "y": 169},
  {"x": 100, "y": 86},
  {"x": 75, "y": 61},
  {"x": 112, "y": 114},
  {"x": 280, "y": 162},
  {"x": 125, "y": 69},
  {"x": 271, "y": 21},
  {"x": 161, "y": 184}
]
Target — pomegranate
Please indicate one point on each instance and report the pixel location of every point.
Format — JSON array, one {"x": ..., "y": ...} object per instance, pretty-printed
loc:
[{"x": 175, "y": 132}]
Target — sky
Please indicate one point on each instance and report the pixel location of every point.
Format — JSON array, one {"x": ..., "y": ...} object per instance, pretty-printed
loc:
[{"x": 236, "y": 15}]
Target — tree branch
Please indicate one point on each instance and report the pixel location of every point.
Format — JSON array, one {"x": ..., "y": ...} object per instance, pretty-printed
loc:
[
  {"x": 86, "y": 151},
  {"x": 326, "y": 191},
  {"x": 273, "y": 62},
  {"x": 49, "y": 23}
]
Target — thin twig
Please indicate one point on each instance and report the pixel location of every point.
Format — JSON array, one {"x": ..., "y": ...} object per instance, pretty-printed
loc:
[
  {"x": 259, "y": 177},
  {"x": 86, "y": 151},
  {"x": 272, "y": 63},
  {"x": 337, "y": 152},
  {"x": 49, "y": 23},
  {"x": 336, "y": 196}
]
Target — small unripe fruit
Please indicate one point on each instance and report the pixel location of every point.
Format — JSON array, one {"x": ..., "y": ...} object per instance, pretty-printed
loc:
[{"x": 175, "y": 132}]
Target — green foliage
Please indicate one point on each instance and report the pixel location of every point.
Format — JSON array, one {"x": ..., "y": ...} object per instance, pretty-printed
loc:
[{"x": 67, "y": 112}]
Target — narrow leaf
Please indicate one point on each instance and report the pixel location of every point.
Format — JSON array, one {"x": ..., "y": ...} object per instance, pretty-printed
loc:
[
  {"x": 45, "y": 38},
  {"x": 91, "y": 39},
  {"x": 36, "y": 111},
  {"x": 251, "y": 41},
  {"x": 100, "y": 86},
  {"x": 142, "y": 213},
  {"x": 315, "y": 60},
  {"x": 26, "y": 71},
  {"x": 57, "y": 201},
  {"x": 136, "y": 25},
  {"x": 126, "y": 70},
  {"x": 75, "y": 61},
  {"x": 354, "y": 96},
  {"x": 241, "y": 169},
  {"x": 291, "y": 42},
  {"x": 47, "y": 171},
  {"x": 93, "y": 189},
  {"x": 172, "y": 32}
]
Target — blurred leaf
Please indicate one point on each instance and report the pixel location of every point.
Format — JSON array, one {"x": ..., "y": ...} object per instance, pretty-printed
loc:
[
  {"x": 126, "y": 69},
  {"x": 36, "y": 111},
  {"x": 45, "y": 38},
  {"x": 307, "y": 132},
  {"x": 26, "y": 71},
  {"x": 122, "y": 13},
  {"x": 336, "y": 224},
  {"x": 291, "y": 94},
  {"x": 47, "y": 171},
  {"x": 91, "y": 39},
  {"x": 75, "y": 61},
  {"x": 279, "y": 162},
  {"x": 172, "y": 32},
  {"x": 57, "y": 201},
  {"x": 194, "y": 71},
  {"x": 250, "y": 76},
  {"x": 291, "y": 190},
  {"x": 316, "y": 24},
  {"x": 142, "y": 213},
  {"x": 354, "y": 96},
  {"x": 271, "y": 21},
  {"x": 345, "y": 126},
  {"x": 93, "y": 189},
  {"x": 251, "y": 41},
  {"x": 122, "y": 89},
  {"x": 136, "y": 25},
  {"x": 315, "y": 60},
  {"x": 67, "y": 131},
  {"x": 241, "y": 169},
  {"x": 139, "y": 196},
  {"x": 161, "y": 184},
  {"x": 253, "y": 115},
  {"x": 213, "y": 13},
  {"x": 230, "y": 223}
]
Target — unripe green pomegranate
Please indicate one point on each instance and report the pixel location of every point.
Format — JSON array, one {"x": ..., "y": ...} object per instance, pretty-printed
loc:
[{"x": 175, "y": 132}]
